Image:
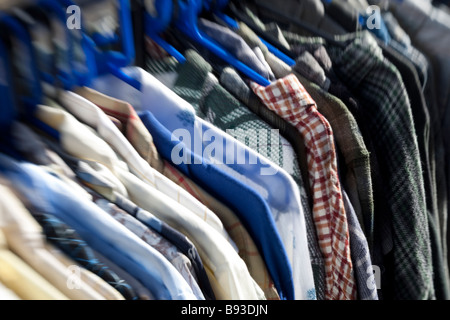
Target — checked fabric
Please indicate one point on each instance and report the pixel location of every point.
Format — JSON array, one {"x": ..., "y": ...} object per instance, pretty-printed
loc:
[
  {"x": 288, "y": 98},
  {"x": 67, "y": 239},
  {"x": 402, "y": 227}
]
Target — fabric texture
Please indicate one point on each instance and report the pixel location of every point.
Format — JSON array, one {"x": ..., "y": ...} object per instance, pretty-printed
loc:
[
  {"x": 288, "y": 97},
  {"x": 388, "y": 115},
  {"x": 259, "y": 225},
  {"x": 364, "y": 277},
  {"x": 355, "y": 164},
  {"x": 236, "y": 85},
  {"x": 140, "y": 138},
  {"x": 229, "y": 276},
  {"x": 183, "y": 244},
  {"x": 33, "y": 148},
  {"x": 425, "y": 133},
  {"x": 168, "y": 250},
  {"x": 428, "y": 27},
  {"x": 98, "y": 181},
  {"x": 65, "y": 238},
  {"x": 355, "y": 159}
]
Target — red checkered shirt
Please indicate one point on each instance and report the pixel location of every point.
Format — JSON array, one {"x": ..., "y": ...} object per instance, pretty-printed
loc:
[{"x": 289, "y": 99}]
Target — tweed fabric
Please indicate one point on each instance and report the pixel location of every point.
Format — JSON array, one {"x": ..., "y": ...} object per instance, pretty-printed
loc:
[{"x": 387, "y": 113}]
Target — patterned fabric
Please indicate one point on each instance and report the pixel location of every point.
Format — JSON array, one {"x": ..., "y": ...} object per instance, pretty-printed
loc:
[
  {"x": 182, "y": 242},
  {"x": 436, "y": 219},
  {"x": 170, "y": 104},
  {"x": 288, "y": 98},
  {"x": 225, "y": 112},
  {"x": 429, "y": 29},
  {"x": 391, "y": 121},
  {"x": 236, "y": 85},
  {"x": 374, "y": 80},
  {"x": 355, "y": 164},
  {"x": 167, "y": 249},
  {"x": 220, "y": 108},
  {"x": 365, "y": 280},
  {"x": 366, "y": 176},
  {"x": 67, "y": 239},
  {"x": 245, "y": 201},
  {"x": 51, "y": 195}
]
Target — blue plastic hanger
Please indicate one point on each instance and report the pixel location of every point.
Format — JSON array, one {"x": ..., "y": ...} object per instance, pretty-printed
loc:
[
  {"x": 186, "y": 22},
  {"x": 27, "y": 103},
  {"x": 158, "y": 21},
  {"x": 218, "y": 8}
]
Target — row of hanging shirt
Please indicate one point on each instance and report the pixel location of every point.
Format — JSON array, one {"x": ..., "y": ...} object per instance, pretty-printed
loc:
[{"x": 170, "y": 182}]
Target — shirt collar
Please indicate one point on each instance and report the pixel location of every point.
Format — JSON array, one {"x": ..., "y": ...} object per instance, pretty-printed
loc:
[
  {"x": 354, "y": 62},
  {"x": 135, "y": 130}
]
